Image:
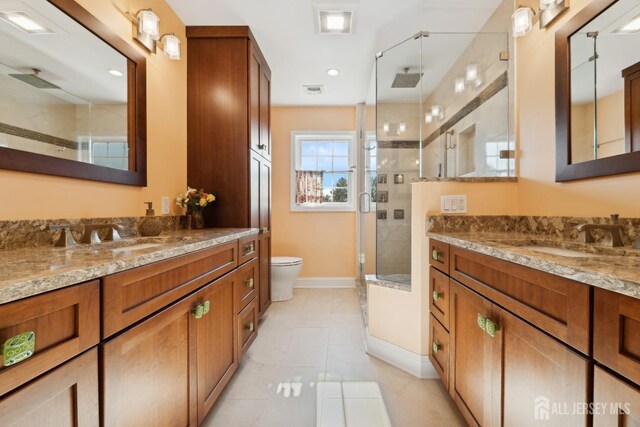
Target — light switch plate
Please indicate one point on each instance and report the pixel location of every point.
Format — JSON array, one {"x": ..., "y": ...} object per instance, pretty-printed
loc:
[
  {"x": 453, "y": 204},
  {"x": 165, "y": 205}
]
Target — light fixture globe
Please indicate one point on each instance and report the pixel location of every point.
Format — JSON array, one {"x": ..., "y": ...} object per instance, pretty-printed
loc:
[
  {"x": 522, "y": 20},
  {"x": 149, "y": 24},
  {"x": 171, "y": 46}
]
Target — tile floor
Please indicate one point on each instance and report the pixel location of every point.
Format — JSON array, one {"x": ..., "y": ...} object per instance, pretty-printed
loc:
[{"x": 318, "y": 337}]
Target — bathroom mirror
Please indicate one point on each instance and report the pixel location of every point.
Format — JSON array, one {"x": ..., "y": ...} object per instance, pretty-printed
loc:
[
  {"x": 72, "y": 94},
  {"x": 598, "y": 99}
]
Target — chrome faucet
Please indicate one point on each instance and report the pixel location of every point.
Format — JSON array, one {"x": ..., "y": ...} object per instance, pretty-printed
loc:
[
  {"x": 66, "y": 238},
  {"x": 613, "y": 237},
  {"x": 91, "y": 236}
]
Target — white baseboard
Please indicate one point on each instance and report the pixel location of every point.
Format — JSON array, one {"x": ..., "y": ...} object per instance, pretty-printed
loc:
[
  {"x": 408, "y": 361},
  {"x": 325, "y": 282}
]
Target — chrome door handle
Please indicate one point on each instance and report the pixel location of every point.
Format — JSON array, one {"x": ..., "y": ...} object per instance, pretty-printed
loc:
[{"x": 361, "y": 205}]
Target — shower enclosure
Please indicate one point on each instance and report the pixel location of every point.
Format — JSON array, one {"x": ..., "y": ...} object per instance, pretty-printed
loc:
[{"x": 443, "y": 110}]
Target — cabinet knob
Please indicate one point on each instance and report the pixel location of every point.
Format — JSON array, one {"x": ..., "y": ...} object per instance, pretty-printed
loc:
[
  {"x": 436, "y": 254},
  {"x": 264, "y": 230},
  {"x": 491, "y": 328},
  {"x": 249, "y": 249},
  {"x": 249, "y": 283},
  {"x": 19, "y": 348},
  {"x": 198, "y": 312},
  {"x": 251, "y": 327},
  {"x": 437, "y": 295},
  {"x": 482, "y": 322},
  {"x": 436, "y": 347},
  {"x": 205, "y": 307}
]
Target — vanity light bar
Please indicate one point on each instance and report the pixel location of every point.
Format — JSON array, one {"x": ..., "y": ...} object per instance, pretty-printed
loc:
[{"x": 24, "y": 22}]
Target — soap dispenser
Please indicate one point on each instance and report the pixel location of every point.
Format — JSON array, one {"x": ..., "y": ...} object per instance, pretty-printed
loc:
[{"x": 150, "y": 225}]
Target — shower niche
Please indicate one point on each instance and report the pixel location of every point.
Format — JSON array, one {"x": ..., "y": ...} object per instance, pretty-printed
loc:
[{"x": 443, "y": 110}]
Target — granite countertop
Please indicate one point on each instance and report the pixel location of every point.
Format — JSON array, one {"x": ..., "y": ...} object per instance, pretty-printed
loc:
[
  {"x": 614, "y": 269},
  {"x": 31, "y": 271}
]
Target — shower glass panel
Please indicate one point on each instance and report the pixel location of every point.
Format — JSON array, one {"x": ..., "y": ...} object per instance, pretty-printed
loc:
[{"x": 443, "y": 110}]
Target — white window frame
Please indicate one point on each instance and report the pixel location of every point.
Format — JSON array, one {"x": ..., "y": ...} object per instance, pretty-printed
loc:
[{"x": 295, "y": 162}]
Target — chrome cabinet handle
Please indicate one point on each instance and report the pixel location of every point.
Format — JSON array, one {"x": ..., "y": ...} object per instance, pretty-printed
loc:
[
  {"x": 437, "y": 295},
  {"x": 251, "y": 327},
  {"x": 249, "y": 283}
]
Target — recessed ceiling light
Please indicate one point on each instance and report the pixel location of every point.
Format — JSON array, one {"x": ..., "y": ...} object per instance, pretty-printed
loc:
[
  {"x": 116, "y": 73},
  {"x": 333, "y": 72},
  {"x": 24, "y": 22},
  {"x": 335, "y": 22},
  {"x": 632, "y": 26}
]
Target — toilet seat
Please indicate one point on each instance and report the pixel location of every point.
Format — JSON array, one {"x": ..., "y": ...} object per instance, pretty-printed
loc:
[{"x": 285, "y": 261}]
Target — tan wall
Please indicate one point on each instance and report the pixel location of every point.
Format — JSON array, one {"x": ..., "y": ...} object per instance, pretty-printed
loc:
[
  {"x": 539, "y": 194},
  {"x": 167, "y": 139},
  {"x": 326, "y": 241}
]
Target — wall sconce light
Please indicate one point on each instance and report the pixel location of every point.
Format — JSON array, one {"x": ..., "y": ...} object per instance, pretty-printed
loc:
[
  {"x": 170, "y": 44},
  {"x": 428, "y": 118},
  {"x": 386, "y": 127},
  {"x": 402, "y": 127},
  {"x": 459, "y": 85},
  {"x": 147, "y": 29},
  {"x": 437, "y": 113},
  {"x": 549, "y": 10}
]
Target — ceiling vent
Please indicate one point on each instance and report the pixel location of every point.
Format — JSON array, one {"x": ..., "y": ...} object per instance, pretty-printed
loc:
[{"x": 313, "y": 89}]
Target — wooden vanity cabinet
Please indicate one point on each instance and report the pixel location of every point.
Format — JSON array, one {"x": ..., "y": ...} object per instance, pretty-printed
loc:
[
  {"x": 170, "y": 369},
  {"x": 609, "y": 392},
  {"x": 229, "y": 137}
]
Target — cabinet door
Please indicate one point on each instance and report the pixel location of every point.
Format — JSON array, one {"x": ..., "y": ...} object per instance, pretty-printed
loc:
[
  {"x": 254, "y": 189},
  {"x": 617, "y": 403},
  {"x": 265, "y": 113},
  {"x": 265, "y": 272},
  {"x": 265, "y": 195},
  {"x": 217, "y": 355},
  {"x": 146, "y": 372},
  {"x": 470, "y": 349},
  {"x": 254, "y": 99},
  {"x": 67, "y": 396},
  {"x": 537, "y": 372}
]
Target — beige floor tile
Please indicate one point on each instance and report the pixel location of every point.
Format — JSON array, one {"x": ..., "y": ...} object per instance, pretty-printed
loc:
[{"x": 236, "y": 413}]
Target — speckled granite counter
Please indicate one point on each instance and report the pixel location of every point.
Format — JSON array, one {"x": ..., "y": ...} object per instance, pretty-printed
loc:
[
  {"x": 615, "y": 269},
  {"x": 31, "y": 271}
]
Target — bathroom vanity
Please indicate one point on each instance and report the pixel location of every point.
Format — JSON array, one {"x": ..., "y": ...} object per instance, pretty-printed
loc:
[
  {"x": 520, "y": 331},
  {"x": 146, "y": 331}
]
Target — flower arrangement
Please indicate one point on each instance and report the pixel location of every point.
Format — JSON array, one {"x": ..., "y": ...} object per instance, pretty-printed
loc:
[{"x": 194, "y": 200}]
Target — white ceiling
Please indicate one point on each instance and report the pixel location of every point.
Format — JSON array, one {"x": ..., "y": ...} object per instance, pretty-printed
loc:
[{"x": 298, "y": 56}]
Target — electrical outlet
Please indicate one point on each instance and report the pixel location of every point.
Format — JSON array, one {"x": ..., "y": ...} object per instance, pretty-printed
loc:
[
  {"x": 165, "y": 205},
  {"x": 453, "y": 204}
]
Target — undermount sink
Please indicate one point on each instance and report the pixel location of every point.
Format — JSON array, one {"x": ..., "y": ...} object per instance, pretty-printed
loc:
[
  {"x": 560, "y": 251},
  {"x": 137, "y": 247}
]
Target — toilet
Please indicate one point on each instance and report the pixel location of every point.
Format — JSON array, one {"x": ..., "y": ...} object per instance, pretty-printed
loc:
[{"x": 284, "y": 272}]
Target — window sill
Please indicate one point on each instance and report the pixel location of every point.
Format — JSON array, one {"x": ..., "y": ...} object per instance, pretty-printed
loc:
[{"x": 326, "y": 209}]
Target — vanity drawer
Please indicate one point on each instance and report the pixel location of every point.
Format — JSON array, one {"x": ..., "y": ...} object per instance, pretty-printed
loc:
[
  {"x": 439, "y": 296},
  {"x": 247, "y": 284},
  {"x": 248, "y": 249},
  {"x": 134, "y": 294},
  {"x": 616, "y": 333},
  {"x": 64, "y": 323},
  {"x": 247, "y": 326},
  {"x": 439, "y": 255},
  {"x": 439, "y": 351},
  {"x": 559, "y": 306}
]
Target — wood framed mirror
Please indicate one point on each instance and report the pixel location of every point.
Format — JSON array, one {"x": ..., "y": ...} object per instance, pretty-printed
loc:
[
  {"x": 598, "y": 91},
  {"x": 72, "y": 95}
]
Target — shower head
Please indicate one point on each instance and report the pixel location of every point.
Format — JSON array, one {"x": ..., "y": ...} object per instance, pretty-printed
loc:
[
  {"x": 34, "y": 80},
  {"x": 407, "y": 80}
]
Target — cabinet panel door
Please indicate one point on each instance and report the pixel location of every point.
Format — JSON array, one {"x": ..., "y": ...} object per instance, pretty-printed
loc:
[
  {"x": 146, "y": 372},
  {"x": 265, "y": 113},
  {"x": 254, "y": 189},
  {"x": 67, "y": 396},
  {"x": 537, "y": 372},
  {"x": 217, "y": 355},
  {"x": 609, "y": 392},
  {"x": 265, "y": 272},
  {"x": 265, "y": 195},
  {"x": 471, "y": 354},
  {"x": 254, "y": 99}
]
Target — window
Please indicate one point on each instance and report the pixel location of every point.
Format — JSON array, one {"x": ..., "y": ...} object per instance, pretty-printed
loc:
[
  {"x": 495, "y": 166},
  {"x": 329, "y": 156}
]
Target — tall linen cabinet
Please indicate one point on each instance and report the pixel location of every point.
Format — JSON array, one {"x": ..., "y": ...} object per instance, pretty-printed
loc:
[{"x": 229, "y": 133}]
